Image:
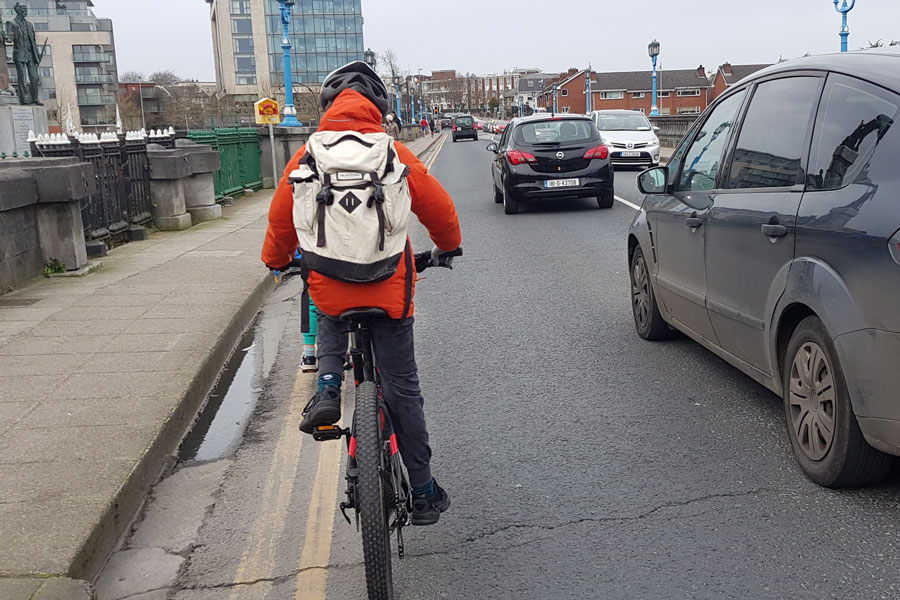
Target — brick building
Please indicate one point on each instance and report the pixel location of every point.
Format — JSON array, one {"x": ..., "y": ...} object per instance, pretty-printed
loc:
[
  {"x": 729, "y": 74},
  {"x": 685, "y": 91}
]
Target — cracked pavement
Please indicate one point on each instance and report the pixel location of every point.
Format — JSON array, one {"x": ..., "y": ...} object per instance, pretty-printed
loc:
[{"x": 582, "y": 461}]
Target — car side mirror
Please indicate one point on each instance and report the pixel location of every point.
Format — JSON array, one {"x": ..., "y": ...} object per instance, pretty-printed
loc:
[
  {"x": 492, "y": 148},
  {"x": 655, "y": 129},
  {"x": 653, "y": 181}
]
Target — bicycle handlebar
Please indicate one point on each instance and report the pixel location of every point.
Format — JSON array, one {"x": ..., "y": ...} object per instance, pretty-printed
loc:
[{"x": 423, "y": 260}]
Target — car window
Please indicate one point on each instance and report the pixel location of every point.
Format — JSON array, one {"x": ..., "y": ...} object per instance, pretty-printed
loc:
[
  {"x": 504, "y": 138},
  {"x": 620, "y": 122},
  {"x": 703, "y": 157},
  {"x": 774, "y": 135},
  {"x": 855, "y": 117},
  {"x": 555, "y": 132},
  {"x": 464, "y": 121}
]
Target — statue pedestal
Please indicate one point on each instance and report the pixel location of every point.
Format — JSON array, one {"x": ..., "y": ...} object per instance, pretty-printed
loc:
[{"x": 15, "y": 123}]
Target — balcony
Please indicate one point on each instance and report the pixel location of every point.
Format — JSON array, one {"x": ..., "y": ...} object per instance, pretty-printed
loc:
[
  {"x": 92, "y": 57},
  {"x": 94, "y": 78},
  {"x": 96, "y": 100}
]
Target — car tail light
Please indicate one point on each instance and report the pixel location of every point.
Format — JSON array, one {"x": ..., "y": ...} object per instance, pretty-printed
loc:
[
  {"x": 601, "y": 152},
  {"x": 894, "y": 247},
  {"x": 517, "y": 157},
  {"x": 454, "y": 128}
]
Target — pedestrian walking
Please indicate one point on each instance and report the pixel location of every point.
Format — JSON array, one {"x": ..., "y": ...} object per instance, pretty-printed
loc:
[
  {"x": 432, "y": 124},
  {"x": 391, "y": 127},
  {"x": 424, "y": 124}
]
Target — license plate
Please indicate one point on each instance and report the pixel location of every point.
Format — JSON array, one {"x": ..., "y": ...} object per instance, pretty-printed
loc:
[
  {"x": 557, "y": 183},
  {"x": 629, "y": 154}
]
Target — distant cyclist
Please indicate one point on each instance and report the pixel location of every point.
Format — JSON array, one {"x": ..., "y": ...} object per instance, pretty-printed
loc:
[{"x": 354, "y": 99}]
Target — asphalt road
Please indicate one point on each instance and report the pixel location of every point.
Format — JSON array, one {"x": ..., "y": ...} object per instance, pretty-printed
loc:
[{"x": 582, "y": 461}]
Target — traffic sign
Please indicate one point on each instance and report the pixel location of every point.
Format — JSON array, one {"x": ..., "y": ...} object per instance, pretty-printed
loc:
[{"x": 267, "y": 112}]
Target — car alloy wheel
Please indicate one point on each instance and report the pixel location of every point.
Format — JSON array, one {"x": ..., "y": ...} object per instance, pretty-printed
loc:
[
  {"x": 812, "y": 401},
  {"x": 640, "y": 293}
]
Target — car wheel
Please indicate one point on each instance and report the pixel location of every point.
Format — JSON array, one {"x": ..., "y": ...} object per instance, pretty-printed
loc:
[
  {"x": 606, "y": 199},
  {"x": 510, "y": 204},
  {"x": 498, "y": 195},
  {"x": 475, "y": 139},
  {"x": 647, "y": 319},
  {"x": 822, "y": 427},
  {"x": 454, "y": 139}
]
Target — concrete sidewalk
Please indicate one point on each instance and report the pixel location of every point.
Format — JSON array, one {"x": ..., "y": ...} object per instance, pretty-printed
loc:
[{"x": 100, "y": 378}]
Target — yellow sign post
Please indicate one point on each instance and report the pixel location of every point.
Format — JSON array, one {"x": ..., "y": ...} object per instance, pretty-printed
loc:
[{"x": 267, "y": 113}]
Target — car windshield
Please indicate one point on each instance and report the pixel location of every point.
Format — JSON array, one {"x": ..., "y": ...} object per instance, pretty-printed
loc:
[
  {"x": 556, "y": 131},
  {"x": 635, "y": 122}
]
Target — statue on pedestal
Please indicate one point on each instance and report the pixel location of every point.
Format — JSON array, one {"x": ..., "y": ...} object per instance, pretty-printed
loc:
[
  {"x": 5, "y": 89},
  {"x": 26, "y": 56}
]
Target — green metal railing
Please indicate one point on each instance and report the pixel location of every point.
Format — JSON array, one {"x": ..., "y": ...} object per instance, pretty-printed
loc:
[{"x": 239, "y": 155}]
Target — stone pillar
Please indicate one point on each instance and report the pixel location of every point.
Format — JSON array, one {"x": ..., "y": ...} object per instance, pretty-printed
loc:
[
  {"x": 168, "y": 170},
  {"x": 199, "y": 186},
  {"x": 287, "y": 141}
]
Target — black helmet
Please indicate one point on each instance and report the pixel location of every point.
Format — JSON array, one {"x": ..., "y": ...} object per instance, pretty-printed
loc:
[{"x": 355, "y": 76}]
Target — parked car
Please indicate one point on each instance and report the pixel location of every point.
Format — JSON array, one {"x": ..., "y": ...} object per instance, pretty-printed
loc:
[
  {"x": 772, "y": 238},
  {"x": 479, "y": 125},
  {"x": 464, "y": 127},
  {"x": 629, "y": 135},
  {"x": 500, "y": 126},
  {"x": 540, "y": 157}
]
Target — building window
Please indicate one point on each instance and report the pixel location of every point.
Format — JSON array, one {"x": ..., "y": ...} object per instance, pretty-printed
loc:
[
  {"x": 642, "y": 111},
  {"x": 246, "y": 79},
  {"x": 689, "y": 92},
  {"x": 46, "y": 72},
  {"x": 240, "y": 7},
  {"x": 565, "y": 109},
  {"x": 664, "y": 94},
  {"x": 243, "y": 45},
  {"x": 242, "y": 26},
  {"x": 637, "y": 95},
  {"x": 688, "y": 110},
  {"x": 245, "y": 64},
  {"x": 82, "y": 27},
  {"x": 665, "y": 111},
  {"x": 565, "y": 92},
  {"x": 612, "y": 95},
  {"x": 41, "y": 26}
]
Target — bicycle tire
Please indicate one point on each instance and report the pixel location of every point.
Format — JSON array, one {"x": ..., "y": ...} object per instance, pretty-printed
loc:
[{"x": 373, "y": 513}]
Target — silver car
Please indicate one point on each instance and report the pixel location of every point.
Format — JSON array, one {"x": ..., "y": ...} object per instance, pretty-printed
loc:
[{"x": 630, "y": 137}]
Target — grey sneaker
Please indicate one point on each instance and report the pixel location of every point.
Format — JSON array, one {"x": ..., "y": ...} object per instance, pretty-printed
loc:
[{"x": 426, "y": 510}]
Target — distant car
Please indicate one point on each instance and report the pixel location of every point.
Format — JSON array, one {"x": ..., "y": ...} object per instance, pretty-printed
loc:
[
  {"x": 540, "y": 157},
  {"x": 479, "y": 125},
  {"x": 629, "y": 135},
  {"x": 445, "y": 123},
  {"x": 772, "y": 238},
  {"x": 464, "y": 128},
  {"x": 500, "y": 126}
]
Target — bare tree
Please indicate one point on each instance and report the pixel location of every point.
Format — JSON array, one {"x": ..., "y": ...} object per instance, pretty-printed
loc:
[
  {"x": 130, "y": 76},
  {"x": 388, "y": 65},
  {"x": 875, "y": 44},
  {"x": 164, "y": 77},
  {"x": 130, "y": 108}
]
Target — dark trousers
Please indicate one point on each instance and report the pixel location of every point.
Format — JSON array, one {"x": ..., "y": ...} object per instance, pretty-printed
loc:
[
  {"x": 396, "y": 360},
  {"x": 27, "y": 72}
]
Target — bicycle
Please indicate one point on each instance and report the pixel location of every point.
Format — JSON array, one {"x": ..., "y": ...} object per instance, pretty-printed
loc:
[{"x": 378, "y": 489}]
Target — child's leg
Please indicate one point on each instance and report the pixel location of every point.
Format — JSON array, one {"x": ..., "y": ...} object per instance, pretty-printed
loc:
[{"x": 309, "y": 339}]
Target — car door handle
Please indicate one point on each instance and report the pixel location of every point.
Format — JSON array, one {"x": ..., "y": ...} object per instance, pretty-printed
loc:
[
  {"x": 693, "y": 222},
  {"x": 774, "y": 230}
]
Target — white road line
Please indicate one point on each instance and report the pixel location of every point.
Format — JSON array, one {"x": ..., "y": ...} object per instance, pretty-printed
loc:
[{"x": 627, "y": 203}]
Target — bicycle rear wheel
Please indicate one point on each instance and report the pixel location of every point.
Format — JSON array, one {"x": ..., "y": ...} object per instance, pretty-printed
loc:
[{"x": 370, "y": 494}]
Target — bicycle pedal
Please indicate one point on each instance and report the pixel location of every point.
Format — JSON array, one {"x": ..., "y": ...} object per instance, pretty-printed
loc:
[{"x": 328, "y": 432}]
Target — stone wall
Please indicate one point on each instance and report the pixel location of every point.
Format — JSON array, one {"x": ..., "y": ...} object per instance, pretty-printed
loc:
[{"x": 40, "y": 216}]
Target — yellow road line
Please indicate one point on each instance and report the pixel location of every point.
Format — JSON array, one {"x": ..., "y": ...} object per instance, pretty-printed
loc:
[
  {"x": 313, "y": 576},
  {"x": 258, "y": 559}
]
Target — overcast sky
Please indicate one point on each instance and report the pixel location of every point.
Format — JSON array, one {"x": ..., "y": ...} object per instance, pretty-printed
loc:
[{"x": 485, "y": 36}]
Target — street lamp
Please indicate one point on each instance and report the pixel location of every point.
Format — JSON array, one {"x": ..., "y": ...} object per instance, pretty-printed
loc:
[
  {"x": 290, "y": 113},
  {"x": 369, "y": 58},
  {"x": 653, "y": 49},
  {"x": 843, "y": 9}
]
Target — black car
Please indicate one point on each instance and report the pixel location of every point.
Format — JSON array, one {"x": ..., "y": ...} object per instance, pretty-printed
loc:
[
  {"x": 463, "y": 127},
  {"x": 544, "y": 157},
  {"x": 445, "y": 123}
]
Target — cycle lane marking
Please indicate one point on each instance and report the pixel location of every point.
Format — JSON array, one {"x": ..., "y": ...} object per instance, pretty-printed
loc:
[
  {"x": 258, "y": 559},
  {"x": 435, "y": 152},
  {"x": 312, "y": 578}
]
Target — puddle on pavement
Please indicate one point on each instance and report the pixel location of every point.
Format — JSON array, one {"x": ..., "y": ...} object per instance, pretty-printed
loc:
[{"x": 220, "y": 426}]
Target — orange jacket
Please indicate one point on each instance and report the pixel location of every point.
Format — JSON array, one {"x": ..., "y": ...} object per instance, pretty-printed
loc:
[{"x": 431, "y": 203}]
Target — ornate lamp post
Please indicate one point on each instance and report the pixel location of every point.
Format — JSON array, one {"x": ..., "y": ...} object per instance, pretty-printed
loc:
[
  {"x": 587, "y": 89},
  {"x": 845, "y": 31},
  {"x": 290, "y": 113},
  {"x": 653, "y": 49}
]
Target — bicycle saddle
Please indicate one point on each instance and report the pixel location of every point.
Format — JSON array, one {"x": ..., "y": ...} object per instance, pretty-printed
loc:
[{"x": 364, "y": 314}]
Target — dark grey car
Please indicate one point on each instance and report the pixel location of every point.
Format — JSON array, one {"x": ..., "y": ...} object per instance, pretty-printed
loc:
[{"x": 772, "y": 239}]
